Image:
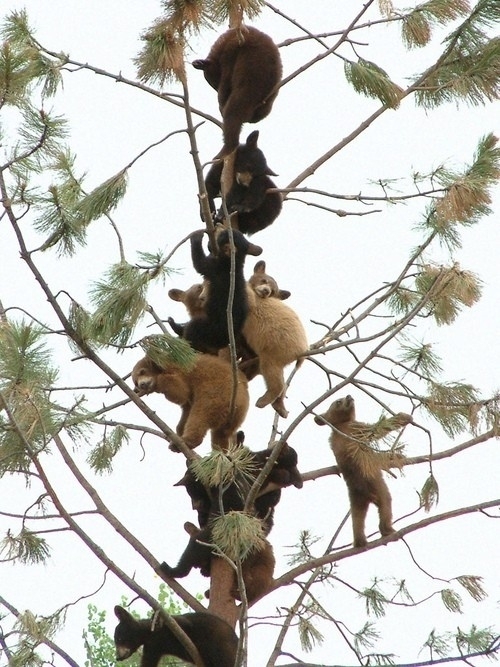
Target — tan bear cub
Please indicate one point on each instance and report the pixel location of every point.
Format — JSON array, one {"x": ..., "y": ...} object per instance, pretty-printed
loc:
[
  {"x": 204, "y": 391},
  {"x": 361, "y": 467},
  {"x": 275, "y": 333}
]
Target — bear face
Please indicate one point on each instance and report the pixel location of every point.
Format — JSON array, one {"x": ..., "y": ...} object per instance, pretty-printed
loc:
[
  {"x": 208, "y": 332},
  {"x": 265, "y": 285},
  {"x": 214, "y": 639},
  {"x": 249, "y": 194},
  {"x": 360, "y": 466},
  {"x": 244, "y": 67},
  {"x": 204, "y": 390}
]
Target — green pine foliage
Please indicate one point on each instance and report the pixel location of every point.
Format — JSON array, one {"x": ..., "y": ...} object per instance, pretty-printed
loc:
[
  {"x": 103, "y": 199},
  {"x": 28, "y": 419},
  {"x": 469, "y": 67},
  {"x": 237, "y": 534},
  {"x": 372, "y": 81},
  {"x": 429, "y": 494},
  {"x": 27, "y": 547},
  {"x": 418, "y": 24},
  {"x": 100, "y": 458},
  {"x": 165, "y": 349},
  {"x": 120, "y": 301}
]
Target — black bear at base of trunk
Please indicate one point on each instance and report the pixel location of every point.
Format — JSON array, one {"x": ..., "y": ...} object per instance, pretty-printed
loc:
[{"x": 214, "y": 639}]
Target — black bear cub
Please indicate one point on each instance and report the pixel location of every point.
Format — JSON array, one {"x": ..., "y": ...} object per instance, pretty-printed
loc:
[
  {"x": 208, "y": 332},
  {"x": 215, "y": 639},
  {"x": 248, "y": 196},
  {"x": 244, "y": 67}
]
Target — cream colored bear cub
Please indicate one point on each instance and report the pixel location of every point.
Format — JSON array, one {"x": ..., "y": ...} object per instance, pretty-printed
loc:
[
  {"x": 361, "y": 466},
  {"x": 275, "y": 333}
]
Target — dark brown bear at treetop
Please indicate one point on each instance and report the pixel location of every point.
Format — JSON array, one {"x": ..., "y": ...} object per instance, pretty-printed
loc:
[
  {"x": 360, "y": 465},
  {"x": 214, "y": 639},
  {"x": 204, "y": 390},
  {"x": 249, "y": 194},
  {"x": 244, "y": 66}
]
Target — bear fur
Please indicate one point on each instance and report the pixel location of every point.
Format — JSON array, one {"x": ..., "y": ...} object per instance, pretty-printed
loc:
[
  {"x": 215, "y": 639},
  {"x": 257, "y": 567},
  {"x": 244, "y": 67},
  {"x": 208, "y": 332},
  {"x": 204, "y": 391},
  {"x": 360, "y": 466},
  {"x": 283, "y": 473},
  {"x": 248, "y": 195},
  {"x": 275, "y": 333},
  {"x": 194, "y": 300}
]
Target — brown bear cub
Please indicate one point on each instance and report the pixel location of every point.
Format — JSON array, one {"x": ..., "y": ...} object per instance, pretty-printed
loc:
[
  {"x": 361, "y": 467},
  {"x": 214, "y": 639},
  {"x": 244, "y": 67},
  {"x": 204, "y": 390}
]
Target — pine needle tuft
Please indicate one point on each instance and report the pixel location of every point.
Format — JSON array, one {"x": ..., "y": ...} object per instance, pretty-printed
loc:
[
  {"x": 237, "y": 534},
  {"x": 371, "y": 80}
]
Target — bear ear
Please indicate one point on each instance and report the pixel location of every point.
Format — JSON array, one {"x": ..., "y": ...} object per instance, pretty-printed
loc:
[
  {"x": 283, "y": 294},
  {"x": 191, "y": 529},
  {"x": 254, "y": 250},
  {"x": 176, "y": 294},
  {"x": 270, "y": 172},
  {"x": 200, "y": 64},
  {"x": 260, "y": 267},
  {"x": 122, "y": 614},
  {"x": 252, "y": 138}
]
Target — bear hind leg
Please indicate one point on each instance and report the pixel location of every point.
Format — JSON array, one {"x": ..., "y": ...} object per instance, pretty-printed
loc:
[
  {"x": 275, "y": 384},
  {"x": 384, "y": 504},
  {"x": 359, "y": 508}
]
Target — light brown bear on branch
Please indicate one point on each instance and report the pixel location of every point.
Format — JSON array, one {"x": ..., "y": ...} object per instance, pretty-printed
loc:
[
  {"x": 275, "y": 333},
  {"x": 204, "y": 391},
  {"x": 360, "y": 465}
]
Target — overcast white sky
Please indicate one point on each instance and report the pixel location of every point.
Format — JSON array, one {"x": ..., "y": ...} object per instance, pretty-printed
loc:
[{"x": 327, "y": 262}]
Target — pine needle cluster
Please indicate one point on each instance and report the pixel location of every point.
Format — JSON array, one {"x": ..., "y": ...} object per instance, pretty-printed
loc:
[
  {"x": 469, "y": 68},
  {"x": 162, "y": 59},
  {"x": 237, "y": 534},
  {"x": 28, "y": 418},
  {"x": 454, "y": 405},
  {"x": 418, "y": 24},
  {"x": 372, "y": 81},
  {"x": 220, "y": 469},
  {"x": 364, "y": 448}
]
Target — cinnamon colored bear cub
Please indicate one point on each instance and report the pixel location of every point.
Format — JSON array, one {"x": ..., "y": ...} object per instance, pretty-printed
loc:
[
  {"x": 361, "y": 466},
  {"x": 204, "y": 390},
  {"x": 244, "y": 66},
  {"x": 214, "y": 639}
]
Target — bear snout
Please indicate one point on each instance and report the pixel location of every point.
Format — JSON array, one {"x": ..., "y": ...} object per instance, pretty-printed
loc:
[{"x": 144, "y": 385}]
